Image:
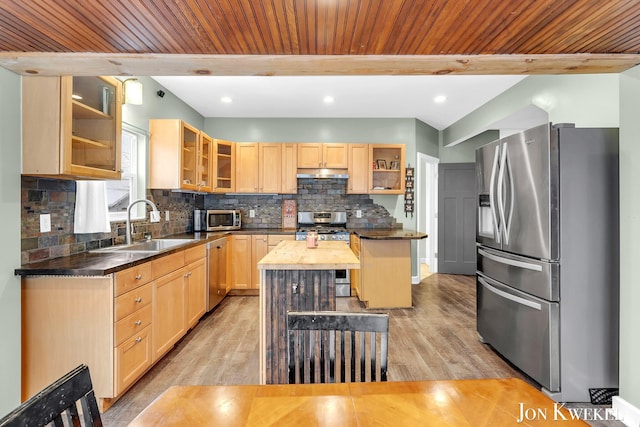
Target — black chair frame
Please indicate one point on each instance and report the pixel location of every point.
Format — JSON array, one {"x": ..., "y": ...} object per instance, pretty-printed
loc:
[
  {"x": 56, "y": 400},
  {"x": 312, "y": 339}
]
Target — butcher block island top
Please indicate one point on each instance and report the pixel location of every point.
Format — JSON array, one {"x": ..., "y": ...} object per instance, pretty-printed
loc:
[{"x": 294, "y": 255}]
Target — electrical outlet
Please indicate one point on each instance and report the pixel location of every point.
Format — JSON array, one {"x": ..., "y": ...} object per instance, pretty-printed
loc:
[
  {"x": 252, "y": 213},
  {"x": 166, "y": 215},
  {"x": 45, "y": 223},
  {"x": 358, "y": 213},
  {"x": 154, "y": 216}
]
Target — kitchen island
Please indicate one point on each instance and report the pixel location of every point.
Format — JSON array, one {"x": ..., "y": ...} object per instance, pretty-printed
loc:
[
  {"x": 384, "y": 279},
  {"x": 294, "y": 277}
]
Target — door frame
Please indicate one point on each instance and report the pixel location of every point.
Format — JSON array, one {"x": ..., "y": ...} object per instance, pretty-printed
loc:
[{"x": 427, "y": 215}]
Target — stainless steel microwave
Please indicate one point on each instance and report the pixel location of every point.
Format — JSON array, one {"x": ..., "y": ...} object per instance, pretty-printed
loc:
[{"x": 216, "y": 220}]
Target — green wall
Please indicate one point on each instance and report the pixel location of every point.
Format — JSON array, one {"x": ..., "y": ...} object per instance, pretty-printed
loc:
[
  {"x": 10, "y": 161},
  {"x": 589, "y": 100},
  {"x": 154, "y": 107},
  {"x": 629, "y": 236},
  {"x": 466, "y": 152}
]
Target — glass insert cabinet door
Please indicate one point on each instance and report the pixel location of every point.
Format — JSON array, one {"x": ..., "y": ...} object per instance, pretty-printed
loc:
[{"x": 92, "y": 141}]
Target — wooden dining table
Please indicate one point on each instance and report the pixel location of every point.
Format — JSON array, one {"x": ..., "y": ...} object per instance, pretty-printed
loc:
[{"x": 483, "y": 402}]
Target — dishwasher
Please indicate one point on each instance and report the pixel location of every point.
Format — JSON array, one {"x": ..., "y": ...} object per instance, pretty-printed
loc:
[{"x": 216, "y": 272}]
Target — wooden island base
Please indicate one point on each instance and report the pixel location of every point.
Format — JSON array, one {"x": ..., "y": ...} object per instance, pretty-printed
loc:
[
  {"x": 294, "y": 277},
  {"x": 384, "y": 279}
]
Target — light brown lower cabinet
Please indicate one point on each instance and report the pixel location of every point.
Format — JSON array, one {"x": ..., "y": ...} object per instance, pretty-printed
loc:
[
  {"x": 119, "y": 324},
  {"x": 384, "y": 278},
  {"x": 168, "y": 312},
  {"x": 246, "y": 251}
]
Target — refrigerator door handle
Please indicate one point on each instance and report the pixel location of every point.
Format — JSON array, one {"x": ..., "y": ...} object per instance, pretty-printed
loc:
[
  {"x": 500, "y": 193},
  {"x": 510, "y": 297},
  {"x": 508, "y": 221},
  {"x": 513, "y": 262},
  {"x": 492, "y": 196}
]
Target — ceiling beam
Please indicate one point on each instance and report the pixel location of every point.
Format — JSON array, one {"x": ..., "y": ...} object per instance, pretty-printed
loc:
[{"x": 48, "y": 64}]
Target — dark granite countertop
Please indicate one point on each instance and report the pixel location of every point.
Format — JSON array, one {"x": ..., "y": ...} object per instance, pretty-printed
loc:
[
  {"x": 388, "y": 234},
  {"x": 264, "y": 231},
  {"x": 103, "y": 263}
]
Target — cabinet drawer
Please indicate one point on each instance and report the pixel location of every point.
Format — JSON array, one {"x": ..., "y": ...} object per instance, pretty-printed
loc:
[
  {"x": 133, "y": 323},
  {"x": 132, "y": 301},
  {"x": 194, "y": 254},
  {"x": 274, "y": 239},
  {"x": 132, "y": 359},
  {"x": 165, "y": 265},
  {"x": 132, "y": 277}
]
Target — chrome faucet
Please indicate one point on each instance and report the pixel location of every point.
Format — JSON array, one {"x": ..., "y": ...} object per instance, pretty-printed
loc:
[{"x": 150, "y": 203}]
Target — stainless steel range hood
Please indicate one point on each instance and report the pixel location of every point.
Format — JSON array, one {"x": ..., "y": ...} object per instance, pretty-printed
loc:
[{"x": 323, "y": 173}]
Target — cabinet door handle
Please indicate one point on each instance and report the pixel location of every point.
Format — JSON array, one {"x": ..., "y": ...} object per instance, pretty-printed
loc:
[
  {"x": 138, "y": 322},
  {"x": 138, "y": 276},
  {"x": 139, "y": 299},
  {"x": 139, "y": 339}
]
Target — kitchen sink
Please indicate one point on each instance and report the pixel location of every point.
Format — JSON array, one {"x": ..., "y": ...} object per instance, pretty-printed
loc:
[{"x": 152, "y": 246}]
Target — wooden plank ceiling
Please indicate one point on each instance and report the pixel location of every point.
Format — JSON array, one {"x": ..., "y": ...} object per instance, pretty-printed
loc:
[{"x": 594, "y": 30}]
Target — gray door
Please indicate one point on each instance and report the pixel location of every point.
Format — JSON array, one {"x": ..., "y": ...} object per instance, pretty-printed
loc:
[{"x": 456, "y": 218}]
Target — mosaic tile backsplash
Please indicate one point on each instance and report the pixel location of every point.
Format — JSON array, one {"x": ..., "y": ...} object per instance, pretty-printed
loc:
[{"x": 57, "y": 197}]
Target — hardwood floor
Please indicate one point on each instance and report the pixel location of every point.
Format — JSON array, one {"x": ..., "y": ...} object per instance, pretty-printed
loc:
[{"x": 436, "y": 339}]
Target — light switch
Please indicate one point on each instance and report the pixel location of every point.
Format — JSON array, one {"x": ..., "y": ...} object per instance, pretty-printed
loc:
[
  {"x": 358, "y": 213},
  {"x": 166, "y": 215},
  {"x": 45, "y": 223},
  {"x": 252, "y": 213}
]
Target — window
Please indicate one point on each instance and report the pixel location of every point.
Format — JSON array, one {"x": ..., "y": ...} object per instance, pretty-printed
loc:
[{"x": 132, "y": 185}]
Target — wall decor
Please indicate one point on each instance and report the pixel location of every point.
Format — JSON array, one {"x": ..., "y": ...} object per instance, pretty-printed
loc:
[{"x": 408, "y": 193}]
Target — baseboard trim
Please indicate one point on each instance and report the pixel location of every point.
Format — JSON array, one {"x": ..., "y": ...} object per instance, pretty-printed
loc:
[
  {"x": 415, "y": 280},
  {"x": 625, "y": 412}
]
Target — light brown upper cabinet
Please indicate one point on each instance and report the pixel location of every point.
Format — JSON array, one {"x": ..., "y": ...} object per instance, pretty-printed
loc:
[
  {"x": 289, "y": 168},
  {"x": 387, "y": 165},
  {"x": 247, "y": 173},
  {"x": 180, "y": 156},
  {"x": 359, "y": 167},
  {"x": 206, "y": 150},
  {"x": 224, "y": 166},
  {"x": 264, "y": 167},
  {"x": 71, "y": 126},
  {"x": 327, "y": 155}
]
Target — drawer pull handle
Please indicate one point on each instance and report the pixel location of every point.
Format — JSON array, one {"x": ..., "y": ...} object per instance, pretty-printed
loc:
[
  {"x": 138, "y": 322},
  {"x": 138, "y": 276},
  {"x": 139, "y": 299},
  {"x": 138, "y": 339}
]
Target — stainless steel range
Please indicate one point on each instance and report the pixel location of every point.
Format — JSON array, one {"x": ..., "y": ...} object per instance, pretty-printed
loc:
[{"x": 329, "y": 226}]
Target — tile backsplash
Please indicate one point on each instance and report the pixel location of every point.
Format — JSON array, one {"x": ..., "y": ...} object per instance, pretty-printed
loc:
[
  {"x": 57, "y": 198},
  {"x": 313, "y": 195}
]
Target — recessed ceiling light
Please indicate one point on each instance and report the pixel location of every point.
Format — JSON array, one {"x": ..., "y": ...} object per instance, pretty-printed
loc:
[
  {"x": 328, "y": 99},
  {"x": 226, "y": 99},
  {"x": 439, "y": 99}
]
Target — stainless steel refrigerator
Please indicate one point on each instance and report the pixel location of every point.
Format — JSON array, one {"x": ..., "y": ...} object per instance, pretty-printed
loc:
[{"x": 547, "y": 250}]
